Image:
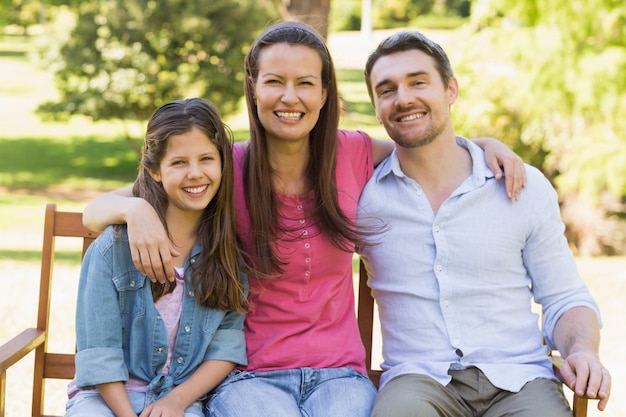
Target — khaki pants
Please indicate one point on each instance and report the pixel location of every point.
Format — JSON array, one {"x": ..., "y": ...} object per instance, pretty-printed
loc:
[{"x": 469, "y": 394}]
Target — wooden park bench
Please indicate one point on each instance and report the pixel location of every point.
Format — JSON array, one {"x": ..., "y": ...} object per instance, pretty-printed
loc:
[{"x": 54, "y": 365}]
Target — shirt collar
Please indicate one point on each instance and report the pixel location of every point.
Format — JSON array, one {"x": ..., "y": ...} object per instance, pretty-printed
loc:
[{"x": 480, "y": 171}]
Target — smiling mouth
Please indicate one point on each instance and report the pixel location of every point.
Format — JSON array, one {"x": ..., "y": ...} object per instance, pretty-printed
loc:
[
  {"x": 414, "y": 116},
  {"x": 289, "y": 115},
  {"x": 195, "y": 190}
]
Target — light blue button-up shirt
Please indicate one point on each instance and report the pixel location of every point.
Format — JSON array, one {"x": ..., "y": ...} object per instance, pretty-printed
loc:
[
  {"x": 120, "y": 333},
  {"x": 454, "y": 289}
]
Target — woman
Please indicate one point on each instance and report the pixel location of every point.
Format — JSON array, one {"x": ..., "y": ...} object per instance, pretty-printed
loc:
[{"x": 298, "y": 181}]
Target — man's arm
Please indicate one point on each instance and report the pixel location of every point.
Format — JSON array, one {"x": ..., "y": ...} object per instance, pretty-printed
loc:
[
  {"x": 577, "y": 337},
  {"x": 149, "y": 244}
]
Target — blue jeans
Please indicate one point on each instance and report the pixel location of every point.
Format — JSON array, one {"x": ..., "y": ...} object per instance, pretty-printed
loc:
[
  {"x": 304, "y": 392},
  {"x": 92, "y": 404}
]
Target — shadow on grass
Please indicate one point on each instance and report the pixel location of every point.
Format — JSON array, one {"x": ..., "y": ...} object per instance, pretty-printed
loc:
[
  {"x": 12, "y": 54},
  {"x": 41, "y": 162},
  {"x": 34, "y": 256}
]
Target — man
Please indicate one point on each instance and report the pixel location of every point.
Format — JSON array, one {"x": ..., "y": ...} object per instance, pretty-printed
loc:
[{"x": 457, "y": 266}]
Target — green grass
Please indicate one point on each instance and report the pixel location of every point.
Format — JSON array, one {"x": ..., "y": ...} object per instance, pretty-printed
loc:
[
  {"x": 77, "y": 161},
  {"x": 34, "y": 256}
]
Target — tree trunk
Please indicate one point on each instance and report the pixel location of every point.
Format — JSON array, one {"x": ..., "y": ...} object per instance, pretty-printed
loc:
[{"x": 312, "y": 12}]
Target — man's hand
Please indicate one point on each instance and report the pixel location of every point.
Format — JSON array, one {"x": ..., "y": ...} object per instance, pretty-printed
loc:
[{"x": 585, "y": 375}]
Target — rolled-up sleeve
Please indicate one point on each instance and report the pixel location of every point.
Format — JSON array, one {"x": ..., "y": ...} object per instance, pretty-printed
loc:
[
  {"x": 557, "y": 285},
  {"x": 99, "y": 357}
]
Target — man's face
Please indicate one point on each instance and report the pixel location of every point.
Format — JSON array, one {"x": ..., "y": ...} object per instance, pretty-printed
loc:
[{"x": 410, "y": 98}]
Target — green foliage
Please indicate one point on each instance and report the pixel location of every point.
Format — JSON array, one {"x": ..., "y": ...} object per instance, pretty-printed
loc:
[
  {"x": 345, "y": 15},
  {"x": 125, "y": 58},
  {"x": 431, "y": 21},
  {"x": 559, "y": 69},
  {"x": 433, "y": 14}
]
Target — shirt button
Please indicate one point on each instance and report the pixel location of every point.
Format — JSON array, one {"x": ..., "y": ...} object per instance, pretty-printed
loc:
[
  {"x": 159, "y": 317},
  {"x": 132, "y": 284},
  {"x": 187, "y": 329},
  {"x": 436, "y": 229},
  {"x": 305, "y": 232},
  {"x": 160, "y": 350},
  {"x": 179, "y": 360},
  {"x": 307, "y": 245},
  {"x": 439, "y": 268},
  {"x": 419, "y": 192},
  {"x": 192, "y": 261},
  {"x": 301, "y": 221},
  {"x": 299, "y": 206},
  {"x": 307, "y": 260},
  {"x": 307, "y": 273},
  {"x": 445, "y": 303},
  {"x": 459, "y": 352}
]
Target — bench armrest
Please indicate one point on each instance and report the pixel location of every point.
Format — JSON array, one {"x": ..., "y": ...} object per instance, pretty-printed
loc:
[{"x": 19, "y": 346}]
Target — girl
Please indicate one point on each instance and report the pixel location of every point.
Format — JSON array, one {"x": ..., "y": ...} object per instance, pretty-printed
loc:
[
  {"x": 298, "y": 181},
  {"x": 156, "y": 349}
]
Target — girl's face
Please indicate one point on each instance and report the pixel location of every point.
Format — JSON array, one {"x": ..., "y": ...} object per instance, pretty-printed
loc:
[
  {"x": 191, "y": 171},
  {"x": 288, "y": 91}
]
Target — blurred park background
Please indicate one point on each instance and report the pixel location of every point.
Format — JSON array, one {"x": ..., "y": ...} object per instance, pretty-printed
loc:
[{"x": 79, "y": 78}]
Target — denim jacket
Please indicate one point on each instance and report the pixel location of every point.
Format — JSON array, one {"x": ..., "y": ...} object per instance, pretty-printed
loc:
[{"x": 119, "y": 332}]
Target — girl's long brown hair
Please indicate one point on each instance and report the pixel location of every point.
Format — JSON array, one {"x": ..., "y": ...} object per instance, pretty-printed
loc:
[
  {"x": 262, "y": 204},
  {"x": 217, "y": 277}
]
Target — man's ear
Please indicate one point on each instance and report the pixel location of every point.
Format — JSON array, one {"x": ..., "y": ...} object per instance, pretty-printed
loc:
[
  {"x": 378, "y": 119},
  {"x": 453, "y": 90}
]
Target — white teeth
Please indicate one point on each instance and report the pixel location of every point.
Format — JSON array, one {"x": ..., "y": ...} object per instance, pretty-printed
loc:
[
  {"x": 289, "y": 115},
  {"x": 196, "y": 190},
  {"x": 412, "y": 117}
]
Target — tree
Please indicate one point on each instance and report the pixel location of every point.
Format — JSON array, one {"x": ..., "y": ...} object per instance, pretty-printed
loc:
[
  {"x": 314, "y": 13},
  {"x": 124, "y": 58},
  {"x": 549, "y": 75}
]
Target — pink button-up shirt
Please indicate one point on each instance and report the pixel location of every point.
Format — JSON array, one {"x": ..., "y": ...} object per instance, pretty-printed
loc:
[{"x": 306, "y": 317}]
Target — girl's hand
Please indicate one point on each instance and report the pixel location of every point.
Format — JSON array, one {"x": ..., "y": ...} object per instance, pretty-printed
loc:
[{"x": 164, "y": 407}]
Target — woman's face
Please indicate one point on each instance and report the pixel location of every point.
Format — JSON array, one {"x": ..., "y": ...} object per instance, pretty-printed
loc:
[{"x": 288, "y": 91}]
